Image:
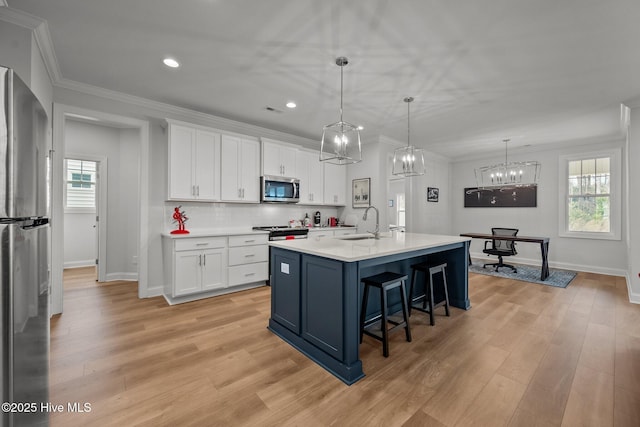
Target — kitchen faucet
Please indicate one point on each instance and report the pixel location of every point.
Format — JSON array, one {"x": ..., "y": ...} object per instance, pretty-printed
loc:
[{"x": 376, "y": 233}]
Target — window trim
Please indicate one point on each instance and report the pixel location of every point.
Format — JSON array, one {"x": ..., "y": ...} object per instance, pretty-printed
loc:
[
  {"x": 101, "y": 164},
  {"x": 615, "y": 195}
]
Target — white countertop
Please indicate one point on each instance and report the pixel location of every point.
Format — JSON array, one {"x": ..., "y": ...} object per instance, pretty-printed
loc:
[
  {"x": 214, "y": 232},
  {"x": 347, "y": 250}
]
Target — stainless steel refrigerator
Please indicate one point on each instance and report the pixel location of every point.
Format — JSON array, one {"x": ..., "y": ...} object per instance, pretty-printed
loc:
[{"x": 24, "y": 253}]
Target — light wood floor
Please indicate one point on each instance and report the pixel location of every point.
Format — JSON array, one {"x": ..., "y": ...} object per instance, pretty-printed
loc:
[{"x": 523, "y": 355}]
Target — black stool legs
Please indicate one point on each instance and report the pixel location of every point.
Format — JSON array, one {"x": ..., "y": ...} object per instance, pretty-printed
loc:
[
  {"x": 385, "y": 282},
  {"x": 427, "y": 297}
]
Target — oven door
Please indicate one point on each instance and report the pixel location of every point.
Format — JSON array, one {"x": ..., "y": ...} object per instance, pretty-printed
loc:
[{"x": 280, "y": 189}]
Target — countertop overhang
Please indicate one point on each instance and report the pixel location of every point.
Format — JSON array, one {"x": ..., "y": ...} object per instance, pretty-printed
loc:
[{"x": 349, "y": 249}]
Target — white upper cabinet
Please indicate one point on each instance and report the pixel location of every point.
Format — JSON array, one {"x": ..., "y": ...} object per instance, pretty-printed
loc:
[
  {"x": 194, "y": 163},
  {"x": 335, "y": 184},
  {"x": 240, "y": 170},
  {"x": 311, "y": 175},
  {"x": 278, "y": 159}
]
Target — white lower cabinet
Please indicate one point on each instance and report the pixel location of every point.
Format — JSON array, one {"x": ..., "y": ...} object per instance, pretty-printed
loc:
[
  {"x": 199, "y": 267},
  {"x": 195, "y": 265},
  {"x": 248, "y": 259}
]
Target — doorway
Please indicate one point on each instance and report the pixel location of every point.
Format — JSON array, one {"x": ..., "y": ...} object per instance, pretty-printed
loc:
[
  {"x": 134, "y": 136},
  {"x": 85, "y": 220}
]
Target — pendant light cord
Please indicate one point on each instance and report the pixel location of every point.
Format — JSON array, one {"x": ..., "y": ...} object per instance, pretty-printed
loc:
[{"x": 408, "y": 124}]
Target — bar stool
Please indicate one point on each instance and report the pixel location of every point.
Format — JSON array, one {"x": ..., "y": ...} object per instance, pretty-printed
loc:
[
  {"x": 427, "y": 297},
  {"x": 385, "y": 282}
]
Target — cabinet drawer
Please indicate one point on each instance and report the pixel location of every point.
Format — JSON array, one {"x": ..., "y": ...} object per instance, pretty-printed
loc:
[
  {"x": 248, "y": 254},
  {"x": 248, "y": 239},
  {"x": 248, "y": 273},
  {"x": 192, "y": 243}
]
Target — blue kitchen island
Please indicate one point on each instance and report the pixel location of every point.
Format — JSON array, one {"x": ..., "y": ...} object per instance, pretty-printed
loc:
[{"x": 316, "y": 291}]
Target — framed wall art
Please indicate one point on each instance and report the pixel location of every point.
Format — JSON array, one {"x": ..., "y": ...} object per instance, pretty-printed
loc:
[
  {"x": 361, "y": 188},
  {"x": 432, "y": 194},
  {"x": 517, "y": 196}
]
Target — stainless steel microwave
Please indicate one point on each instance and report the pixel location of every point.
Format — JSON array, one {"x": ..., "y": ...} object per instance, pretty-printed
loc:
[{"x": 278, "y": 189}]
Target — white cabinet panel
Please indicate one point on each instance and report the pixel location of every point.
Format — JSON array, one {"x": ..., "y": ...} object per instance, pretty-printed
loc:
[
  {"x": 278, "y": 159},
  {"x": 311, "y": 174},
  {"x": 240, "y": 170},
  {"x": 335, "y": 184},
  {"x": 248, "y": 273},
  {"x": 194, "y": 163},
  {"x": 213, "y": 269},
  {"x": 187, "y": 273},
  {"x": 248, "y": 254}
]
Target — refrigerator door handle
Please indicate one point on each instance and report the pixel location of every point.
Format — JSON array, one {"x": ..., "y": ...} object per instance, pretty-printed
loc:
[{"x": 35, "y": 223}]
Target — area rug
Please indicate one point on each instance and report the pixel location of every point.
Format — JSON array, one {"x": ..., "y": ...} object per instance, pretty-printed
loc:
[{"x": 557, "y": 278}]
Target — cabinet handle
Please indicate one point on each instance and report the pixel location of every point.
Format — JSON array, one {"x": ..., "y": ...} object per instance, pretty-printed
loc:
[
  {"x": 199, "y": 259},
  {"x": 202, "y": 244},
  {"x": 249, "y": 274},
  {"x": 243, "y": 193},
  {"x": 197, "y": 190},
  {"x": 249, "y": 241},
  {"x": 193, "y": 190},
  {"x": 204, "y": 257},
  {"x": 249, "y": 255},
  {"x": 239, "y": 193}
]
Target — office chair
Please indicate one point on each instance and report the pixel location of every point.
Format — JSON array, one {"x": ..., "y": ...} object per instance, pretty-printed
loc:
[{"x": 501, "y": 248}]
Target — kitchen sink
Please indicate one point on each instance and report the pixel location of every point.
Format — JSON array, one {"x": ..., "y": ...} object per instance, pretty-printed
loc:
[
  {"x": 355, "y": 237},
  {"x": 358, "y": 237}
]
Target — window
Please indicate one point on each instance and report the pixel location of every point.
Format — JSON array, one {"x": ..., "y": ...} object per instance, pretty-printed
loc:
[
  {"x": 400, "y": 215},
  {"x": 590, "y": 197},
  {"x": 80, "y": 185}
]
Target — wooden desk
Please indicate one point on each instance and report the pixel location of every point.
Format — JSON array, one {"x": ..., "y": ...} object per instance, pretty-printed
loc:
[{"x": 543, "y": 241}]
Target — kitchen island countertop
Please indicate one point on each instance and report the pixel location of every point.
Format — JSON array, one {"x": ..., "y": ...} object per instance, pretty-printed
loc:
[{"x": 358, "y": 247}]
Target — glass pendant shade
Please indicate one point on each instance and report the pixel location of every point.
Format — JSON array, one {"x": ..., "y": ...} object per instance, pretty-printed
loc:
[
  {"x": 508, "y": 173},
  {"x": 409, "y": 160},
  {"x": 340, "y": 143}
]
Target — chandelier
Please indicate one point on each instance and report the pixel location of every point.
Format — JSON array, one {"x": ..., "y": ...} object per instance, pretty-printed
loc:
[
  {"x": 409, "y": 160},
  {"x": 508, "y": 173},
  {"x": 341, "y": 140}
]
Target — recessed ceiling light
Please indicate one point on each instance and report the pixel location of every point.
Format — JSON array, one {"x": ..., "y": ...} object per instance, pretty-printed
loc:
[
  {"x": 170, "y": 62},
  {"x": 291, "y": 104},
  {"x": 360, "y": 127}
]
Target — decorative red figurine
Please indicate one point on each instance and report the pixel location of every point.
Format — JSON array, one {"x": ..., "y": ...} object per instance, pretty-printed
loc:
[{"x": 180, "y": 218}]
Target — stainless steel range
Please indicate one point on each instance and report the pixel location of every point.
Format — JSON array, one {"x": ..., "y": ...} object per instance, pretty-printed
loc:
[{"x": 284, "y": 233}]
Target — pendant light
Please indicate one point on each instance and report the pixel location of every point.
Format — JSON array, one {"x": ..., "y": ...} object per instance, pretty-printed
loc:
[
  {"x": 508, "y": 173},
  {"x": 408, "y": 161},
  {"x": 341, "y": 140}
]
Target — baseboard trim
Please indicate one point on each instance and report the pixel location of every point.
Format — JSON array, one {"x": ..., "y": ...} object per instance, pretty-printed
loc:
[
  {"x": 80, "y": 264},
  {"x": 634, "y": 298},
  {"x": 481, "y": 258},
  {"x": 112, "y": 277}
]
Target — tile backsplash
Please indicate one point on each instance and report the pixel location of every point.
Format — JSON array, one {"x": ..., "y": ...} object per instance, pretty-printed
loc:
[{"x": 233, "y": 215}]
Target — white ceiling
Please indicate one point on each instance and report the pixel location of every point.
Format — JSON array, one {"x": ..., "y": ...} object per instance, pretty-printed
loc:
[{"x": 536, "y": 71}]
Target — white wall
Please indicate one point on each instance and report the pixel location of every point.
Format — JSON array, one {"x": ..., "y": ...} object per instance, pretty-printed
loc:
[
  {"x": 633, "y": 197},
  {"x": 241, "y": 215},
  {"x": 79, "y": 240},
  {"x": 603, "y": 256},
  {"x": 120, "y": 148}
]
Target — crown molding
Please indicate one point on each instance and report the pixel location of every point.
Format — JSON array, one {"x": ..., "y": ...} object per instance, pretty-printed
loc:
[
  {"x": 164, "y": 110},
  {"x": 41, "y": 34},
  {"x": 18, "y": 17}
]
